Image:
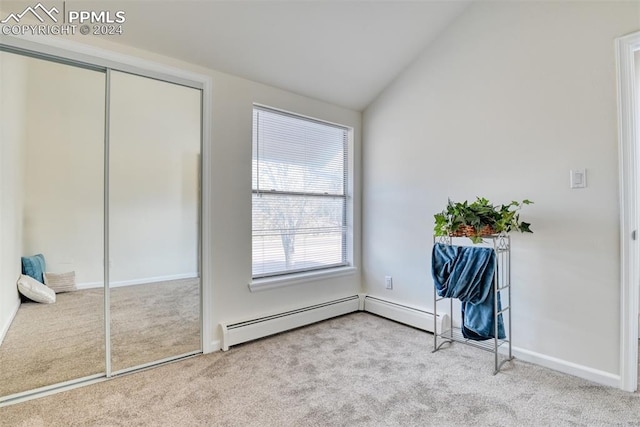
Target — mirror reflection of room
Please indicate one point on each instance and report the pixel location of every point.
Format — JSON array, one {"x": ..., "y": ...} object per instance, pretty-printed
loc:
[
  {"x": 154, "y": 153},
  {"x": 51, "y": 216},
  {"x": 56, "y": 137}
]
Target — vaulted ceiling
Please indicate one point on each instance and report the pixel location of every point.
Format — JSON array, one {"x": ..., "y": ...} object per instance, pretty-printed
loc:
[{"x": 339, "y": 51}]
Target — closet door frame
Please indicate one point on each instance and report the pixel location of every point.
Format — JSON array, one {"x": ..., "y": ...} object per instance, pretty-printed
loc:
[{"x": 69, "y": 52}]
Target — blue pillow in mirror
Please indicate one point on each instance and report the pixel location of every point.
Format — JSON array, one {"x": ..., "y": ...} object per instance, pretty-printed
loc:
[{"x": 34, "y": 266}]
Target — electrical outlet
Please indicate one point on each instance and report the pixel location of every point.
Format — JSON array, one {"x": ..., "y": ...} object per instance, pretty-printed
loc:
[{"x": 388, "y": 282}]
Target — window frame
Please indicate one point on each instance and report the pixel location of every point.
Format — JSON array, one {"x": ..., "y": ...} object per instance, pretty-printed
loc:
[{"x": 286, "y": 278}]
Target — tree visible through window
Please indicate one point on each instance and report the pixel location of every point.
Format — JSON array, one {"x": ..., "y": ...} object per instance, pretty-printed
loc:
[{"x": 299, "y": 193}]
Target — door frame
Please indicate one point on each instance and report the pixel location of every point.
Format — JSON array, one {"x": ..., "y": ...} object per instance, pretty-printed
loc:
[{"x": 628, "y": 158}]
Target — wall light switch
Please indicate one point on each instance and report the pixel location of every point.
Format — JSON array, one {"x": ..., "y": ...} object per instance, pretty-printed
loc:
[{"x": 578, "y": 178}]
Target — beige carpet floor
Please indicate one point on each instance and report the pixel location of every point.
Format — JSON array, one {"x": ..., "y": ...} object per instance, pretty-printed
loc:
[
  {"x": 355, "y": 370},
  {"x": 52, "y": 343}
]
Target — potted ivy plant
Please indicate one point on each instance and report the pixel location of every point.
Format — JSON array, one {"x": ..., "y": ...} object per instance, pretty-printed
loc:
[{"x": 480, "y": 218}]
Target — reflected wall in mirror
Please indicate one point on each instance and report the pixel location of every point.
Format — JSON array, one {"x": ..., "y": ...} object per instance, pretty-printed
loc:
[
  {"x": 154, "y": 201},
  {"x": 51, "y": 203}
]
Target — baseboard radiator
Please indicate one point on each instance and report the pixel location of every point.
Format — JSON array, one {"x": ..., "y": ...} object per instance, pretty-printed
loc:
[
  {"x": 417, "y": 318},
  {"x": 248, "y": 330}
]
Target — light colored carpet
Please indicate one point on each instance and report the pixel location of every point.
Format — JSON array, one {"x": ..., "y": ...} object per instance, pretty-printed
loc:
[
  {"x": 155, "y": 321},
  {"x": 52, "y": 343},
  {"x": 355, "y": 370}
]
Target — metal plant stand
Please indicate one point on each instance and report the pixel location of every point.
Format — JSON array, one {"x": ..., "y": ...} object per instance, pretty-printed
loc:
[{"x": 501, "y": 283}]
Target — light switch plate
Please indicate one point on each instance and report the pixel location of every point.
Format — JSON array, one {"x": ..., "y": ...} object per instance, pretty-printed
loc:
[{"x": 578, "y": 178}]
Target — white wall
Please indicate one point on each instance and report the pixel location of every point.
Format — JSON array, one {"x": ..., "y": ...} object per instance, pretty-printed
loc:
[
  {"x": 510, "y": 98},
  {"x": 63, "y": 198},
  {"x": 230, "y": 191},
  {"x": 231, "y": 194},
  {"x": 12, "y": 139},
  {"x": 154, "y": 154},
  {"x": 153, "y": 197}
]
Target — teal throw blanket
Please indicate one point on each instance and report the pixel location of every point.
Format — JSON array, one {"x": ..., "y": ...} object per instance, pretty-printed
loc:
[{"x": 466, "y": 273}]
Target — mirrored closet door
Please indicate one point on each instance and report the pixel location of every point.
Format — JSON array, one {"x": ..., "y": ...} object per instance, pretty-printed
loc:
[
  {"x": 154, "y": 204},
  {"x": 52, "y": 121},
  {"x": 100, "y": 188}
]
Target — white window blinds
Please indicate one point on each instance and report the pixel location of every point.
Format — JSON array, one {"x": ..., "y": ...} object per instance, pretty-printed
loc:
[{"x": 299, "y": 194}]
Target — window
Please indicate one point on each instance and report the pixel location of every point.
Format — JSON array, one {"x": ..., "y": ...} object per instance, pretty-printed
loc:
[{"x": 299, "y": 199}]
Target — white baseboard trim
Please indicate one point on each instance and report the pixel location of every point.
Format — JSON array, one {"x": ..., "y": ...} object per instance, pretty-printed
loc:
[
  {"x": 566, "y": 367},
  {"x": 401, "y": 313},
  {"x": 9, "y": 320},
  {"x": 91, "y": 285}
]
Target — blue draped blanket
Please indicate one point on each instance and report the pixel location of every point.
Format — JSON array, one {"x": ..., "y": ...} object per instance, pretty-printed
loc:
[{"x": 466, "y": 273}]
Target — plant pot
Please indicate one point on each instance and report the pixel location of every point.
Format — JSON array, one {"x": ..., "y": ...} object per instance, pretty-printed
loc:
[{"x": 469, "y": 231}]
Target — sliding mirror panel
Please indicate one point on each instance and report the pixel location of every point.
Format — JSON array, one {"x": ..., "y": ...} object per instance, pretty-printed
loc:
[
  {"x": 154, "y": 205},
  {"x": 52, "y": 120}
]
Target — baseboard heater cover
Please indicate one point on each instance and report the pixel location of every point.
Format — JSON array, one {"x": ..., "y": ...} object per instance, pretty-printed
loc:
[
  {"x": 248, "y": 330},
  {"x": 417, "y": 318}
]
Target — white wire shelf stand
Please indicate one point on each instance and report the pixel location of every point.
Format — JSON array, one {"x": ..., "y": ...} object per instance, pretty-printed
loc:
[{"x": 501, "y": 244}]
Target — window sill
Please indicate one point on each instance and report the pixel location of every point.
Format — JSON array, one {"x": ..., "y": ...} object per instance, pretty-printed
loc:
[{"x": 297, "y": 278}]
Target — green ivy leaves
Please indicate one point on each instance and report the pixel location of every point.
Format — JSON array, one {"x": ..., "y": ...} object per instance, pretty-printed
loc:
[{"x": 478, "y": 214}]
